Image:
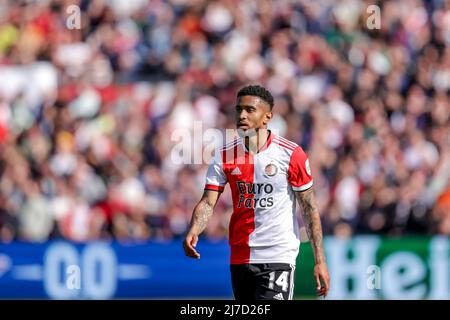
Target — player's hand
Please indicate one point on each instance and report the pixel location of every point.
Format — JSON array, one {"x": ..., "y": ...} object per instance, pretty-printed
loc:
[
  {"x": 189, "y": 244},
  {"x": 322, "y": 279}
]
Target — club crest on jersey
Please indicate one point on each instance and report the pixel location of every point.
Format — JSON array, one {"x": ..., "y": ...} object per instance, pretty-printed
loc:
[{"x": 271, "y": 170}]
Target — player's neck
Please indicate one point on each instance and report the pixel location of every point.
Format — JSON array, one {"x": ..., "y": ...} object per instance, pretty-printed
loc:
[{"x": 255, "y": 143}]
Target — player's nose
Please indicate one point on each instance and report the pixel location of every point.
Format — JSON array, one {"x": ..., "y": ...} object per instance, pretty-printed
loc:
[{"x": 242, "y": 115}]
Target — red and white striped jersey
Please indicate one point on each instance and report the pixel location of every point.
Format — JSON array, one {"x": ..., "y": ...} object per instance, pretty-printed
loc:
[{"x": 263, "y": 226}]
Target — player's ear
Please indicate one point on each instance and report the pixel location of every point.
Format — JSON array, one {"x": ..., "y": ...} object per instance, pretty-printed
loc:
[{"x": 267, "y": 117}]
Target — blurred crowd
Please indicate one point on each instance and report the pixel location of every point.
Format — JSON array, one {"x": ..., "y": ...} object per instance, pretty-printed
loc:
[{"x": 88, "y": 115}]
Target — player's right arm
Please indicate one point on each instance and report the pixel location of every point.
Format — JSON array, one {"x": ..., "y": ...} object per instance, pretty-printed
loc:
[
  {"x": 202, "y": 212},
  {"x": 215, "y": 184}
]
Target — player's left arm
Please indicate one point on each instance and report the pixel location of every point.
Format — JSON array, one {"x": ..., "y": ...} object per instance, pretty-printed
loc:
[{"x": 311, "y": 219}]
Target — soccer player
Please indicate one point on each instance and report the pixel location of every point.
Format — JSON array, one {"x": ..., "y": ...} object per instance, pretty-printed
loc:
[{"x": 266, "y": 174}]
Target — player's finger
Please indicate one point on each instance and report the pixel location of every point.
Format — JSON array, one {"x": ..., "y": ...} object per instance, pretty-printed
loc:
[
  {"x": 190, "y": 251},
  {"x": 186, "y": 246},
  {"x": 326, "y": 282},
  {"x": 321, "y": 286},
  {"x": 321, "y": 292},
  {"x": 194, "y": 254},
  {"x": 318, "y": 284},
  {"x": 325, "y": 292},
  {"x": 326, "y": 285},
  {"x": 194, "y": 241}
]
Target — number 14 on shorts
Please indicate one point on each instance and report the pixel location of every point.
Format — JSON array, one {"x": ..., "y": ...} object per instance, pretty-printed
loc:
[{"x": 281, "y": 281}]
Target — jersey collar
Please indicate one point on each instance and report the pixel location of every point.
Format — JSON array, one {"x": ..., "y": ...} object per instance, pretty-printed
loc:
[{"x": 264, "y": 147}]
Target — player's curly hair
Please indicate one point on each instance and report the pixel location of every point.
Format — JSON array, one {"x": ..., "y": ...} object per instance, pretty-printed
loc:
[{"x": 258, "y": 91}]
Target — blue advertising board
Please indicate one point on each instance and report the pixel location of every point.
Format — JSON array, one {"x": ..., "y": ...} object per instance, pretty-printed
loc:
[{"x": 108, "y": 270}]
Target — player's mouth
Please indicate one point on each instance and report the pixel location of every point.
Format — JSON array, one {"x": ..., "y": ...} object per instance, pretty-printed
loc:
[{"x": 243, "y": 125}]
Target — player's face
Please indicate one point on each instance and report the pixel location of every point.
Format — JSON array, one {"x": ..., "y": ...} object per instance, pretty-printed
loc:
[{"x": 252, "y": 113}]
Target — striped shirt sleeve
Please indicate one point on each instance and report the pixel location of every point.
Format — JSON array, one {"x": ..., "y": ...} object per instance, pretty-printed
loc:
[
  {"x": 216, "y": 178},
  {"x": 299, "y": 173}
]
